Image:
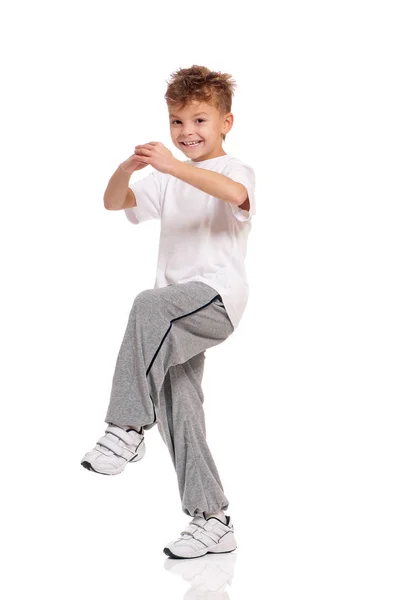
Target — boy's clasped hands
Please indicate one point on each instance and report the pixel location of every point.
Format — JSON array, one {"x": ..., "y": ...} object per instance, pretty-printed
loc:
[{"x": 156, "y": 155}]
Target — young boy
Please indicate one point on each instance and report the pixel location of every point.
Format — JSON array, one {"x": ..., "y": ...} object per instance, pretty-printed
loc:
[{"x": 205, "y": 205}]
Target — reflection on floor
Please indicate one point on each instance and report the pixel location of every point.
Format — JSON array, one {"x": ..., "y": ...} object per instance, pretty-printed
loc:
[{"x": 208, "y": 575}]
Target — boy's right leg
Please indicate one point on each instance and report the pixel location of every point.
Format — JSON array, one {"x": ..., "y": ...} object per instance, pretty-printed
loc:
[{"x": 167, "y": 326}]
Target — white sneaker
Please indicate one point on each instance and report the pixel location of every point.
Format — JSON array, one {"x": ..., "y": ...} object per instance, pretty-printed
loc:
[
  {"x": 203, "y": 536},
  {"x": 114, "y": 450}
]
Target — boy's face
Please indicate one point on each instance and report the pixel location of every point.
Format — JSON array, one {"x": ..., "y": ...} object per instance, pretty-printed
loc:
[{"x": 199, "y": 122}]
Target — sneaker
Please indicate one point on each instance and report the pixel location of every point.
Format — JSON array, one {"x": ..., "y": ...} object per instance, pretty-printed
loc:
[
  {"x": 114, "y": 450},
  {"x": 203, "y": 536}
]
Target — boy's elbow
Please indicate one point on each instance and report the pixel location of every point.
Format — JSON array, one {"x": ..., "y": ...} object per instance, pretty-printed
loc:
[
  {"x": 106, "y": 202},
  {"x": 242, "y": 197}
]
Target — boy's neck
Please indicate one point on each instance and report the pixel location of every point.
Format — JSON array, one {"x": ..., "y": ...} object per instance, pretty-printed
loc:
[{"x": 215, "y": 154}]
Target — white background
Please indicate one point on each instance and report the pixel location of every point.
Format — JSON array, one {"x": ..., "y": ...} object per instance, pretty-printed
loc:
[{"x": 301, "y": 400}]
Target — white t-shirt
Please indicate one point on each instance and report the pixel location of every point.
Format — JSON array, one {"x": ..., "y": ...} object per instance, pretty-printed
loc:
[{"x": 202, "y": 238}]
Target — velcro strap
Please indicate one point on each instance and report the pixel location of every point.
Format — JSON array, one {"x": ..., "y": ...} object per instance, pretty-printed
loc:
[
  {"x": 217, "y": 529},
  {"x": 206, "y": 534},
  {"x": 189, "y": 530},
  {"x": 116, "y": 449},
  {"x": 201, "y": 537},
  {"x": 120, "y": 433}
]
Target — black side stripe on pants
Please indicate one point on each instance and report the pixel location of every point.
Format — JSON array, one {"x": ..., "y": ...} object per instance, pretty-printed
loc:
[{"x": 164, "y": 337}]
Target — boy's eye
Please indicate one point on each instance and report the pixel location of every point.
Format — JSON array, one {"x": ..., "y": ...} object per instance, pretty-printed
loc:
[{"x": 177, "y": 121}]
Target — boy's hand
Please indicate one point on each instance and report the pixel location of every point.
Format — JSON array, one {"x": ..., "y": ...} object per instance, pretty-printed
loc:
[
  {"x": 133, "y": 163},
  {"x": 156, "y": 155}
]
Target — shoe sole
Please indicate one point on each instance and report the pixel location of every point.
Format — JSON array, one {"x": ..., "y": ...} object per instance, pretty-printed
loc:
[
  {"x": 87, "y": 465},
  {"x": 171, "y": 555}
]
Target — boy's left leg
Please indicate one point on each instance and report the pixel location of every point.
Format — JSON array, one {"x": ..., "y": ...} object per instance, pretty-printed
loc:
[{"x": 181, "y": 423}]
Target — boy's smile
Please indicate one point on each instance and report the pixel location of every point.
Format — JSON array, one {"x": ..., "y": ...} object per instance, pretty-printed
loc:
[{"x": 197, "y": 130}]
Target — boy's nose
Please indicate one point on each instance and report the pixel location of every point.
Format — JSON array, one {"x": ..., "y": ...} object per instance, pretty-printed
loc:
[{"x": 187, "y": 131}]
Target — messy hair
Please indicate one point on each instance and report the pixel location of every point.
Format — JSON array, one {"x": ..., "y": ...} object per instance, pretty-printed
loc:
[{"x": 198, "y": 83}]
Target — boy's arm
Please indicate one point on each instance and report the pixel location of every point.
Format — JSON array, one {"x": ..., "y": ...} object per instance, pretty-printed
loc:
[
  {"x": 130, "y": 201},
  {"x": 212, "y": 183},
  {"x": 117, "y": 194}
]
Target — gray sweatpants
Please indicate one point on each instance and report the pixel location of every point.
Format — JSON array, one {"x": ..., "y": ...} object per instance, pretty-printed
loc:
[{"x": 157, "y": 381}]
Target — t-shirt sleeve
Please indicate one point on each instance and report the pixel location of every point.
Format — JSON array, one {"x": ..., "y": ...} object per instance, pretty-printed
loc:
[
  {"x": 148, "y": 195},
  {"x": 244, "y": 174}
]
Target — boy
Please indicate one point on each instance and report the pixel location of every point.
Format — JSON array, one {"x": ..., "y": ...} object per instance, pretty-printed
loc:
[{"x": 205, "y": 206}]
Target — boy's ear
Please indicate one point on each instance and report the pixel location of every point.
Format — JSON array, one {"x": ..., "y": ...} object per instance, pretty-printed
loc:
[{"x": 228, "y": 122}]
